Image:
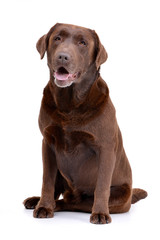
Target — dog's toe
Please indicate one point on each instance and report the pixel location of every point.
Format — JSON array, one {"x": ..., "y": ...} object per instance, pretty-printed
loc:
[
  {"x": 31, "y": 203},
  {"x": 42, "y": 212},
  {"x": 100, "y": 218}
]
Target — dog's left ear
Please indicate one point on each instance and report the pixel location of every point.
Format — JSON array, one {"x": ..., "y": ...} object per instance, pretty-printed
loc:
[
  {"x": 102, "y": 55},
  {"x": 42, "y": 45}
]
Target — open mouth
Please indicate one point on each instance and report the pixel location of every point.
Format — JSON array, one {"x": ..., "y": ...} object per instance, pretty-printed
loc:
[{"x": 62, "y": 74}]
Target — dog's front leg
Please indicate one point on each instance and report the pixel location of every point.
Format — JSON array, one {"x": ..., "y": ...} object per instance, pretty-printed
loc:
[
  {"x": 100, "y": 209},
  {"x": 46, "y": 205}
]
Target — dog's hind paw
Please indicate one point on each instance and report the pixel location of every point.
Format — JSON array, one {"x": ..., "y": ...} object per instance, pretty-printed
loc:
[{"x": 31, "y": 202}]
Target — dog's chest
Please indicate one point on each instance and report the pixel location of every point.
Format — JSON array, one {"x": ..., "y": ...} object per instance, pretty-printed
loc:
[{"x": 76, "y": 155}]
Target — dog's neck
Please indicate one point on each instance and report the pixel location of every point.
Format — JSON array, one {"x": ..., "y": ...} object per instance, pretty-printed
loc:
[{"x": 66, "y": 99}]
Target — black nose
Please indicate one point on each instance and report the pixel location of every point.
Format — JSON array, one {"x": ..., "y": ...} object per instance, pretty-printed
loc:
[{"x": 63, "y": 57}]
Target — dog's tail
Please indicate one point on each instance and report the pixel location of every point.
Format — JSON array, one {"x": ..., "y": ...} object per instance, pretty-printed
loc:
[{"x": 138, "y": 194}]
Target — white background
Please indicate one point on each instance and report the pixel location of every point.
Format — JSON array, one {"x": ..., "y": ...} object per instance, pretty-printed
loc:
[{"x": 130, "y": 32}]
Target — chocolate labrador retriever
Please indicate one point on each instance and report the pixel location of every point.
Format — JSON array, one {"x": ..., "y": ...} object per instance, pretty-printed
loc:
[{"x": 82, "y": 149}]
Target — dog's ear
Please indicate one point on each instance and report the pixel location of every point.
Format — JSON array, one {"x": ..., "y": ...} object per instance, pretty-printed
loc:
[
  {"x": 101, "y": 54},
  {"x": 42, "y": 45}
]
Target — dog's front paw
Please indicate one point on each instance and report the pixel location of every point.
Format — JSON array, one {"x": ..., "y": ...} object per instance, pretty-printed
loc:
[
  {"x": 43, "y": 212},
  {"x": 98, "y": 218}
]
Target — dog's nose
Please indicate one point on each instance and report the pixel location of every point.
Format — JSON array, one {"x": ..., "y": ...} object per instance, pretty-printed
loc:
[{"x": 63, "y": 57}]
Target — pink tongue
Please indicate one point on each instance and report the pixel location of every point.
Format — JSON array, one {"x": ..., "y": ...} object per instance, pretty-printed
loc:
[{"x": 63, "y": 77}]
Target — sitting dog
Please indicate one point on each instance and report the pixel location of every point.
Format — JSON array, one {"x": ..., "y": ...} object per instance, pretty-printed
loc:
[{"x": 82, "y": 149}]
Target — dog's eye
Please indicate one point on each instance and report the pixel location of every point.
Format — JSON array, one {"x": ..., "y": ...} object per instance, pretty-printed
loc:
[
  {"x": 57, "y": 39},
  {"x": 82, "y": 43}
]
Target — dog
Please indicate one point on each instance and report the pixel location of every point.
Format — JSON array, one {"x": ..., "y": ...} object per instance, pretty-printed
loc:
[{"x": 82, "y": 148}]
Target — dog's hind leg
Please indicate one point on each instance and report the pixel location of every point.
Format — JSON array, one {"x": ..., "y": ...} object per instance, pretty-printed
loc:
[
  {"x": 120, "y": 199},
  {"x": 82, "y": 206}
]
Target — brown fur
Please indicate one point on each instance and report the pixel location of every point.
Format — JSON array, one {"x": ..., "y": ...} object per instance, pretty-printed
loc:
[{"x": 82, "y": 150}]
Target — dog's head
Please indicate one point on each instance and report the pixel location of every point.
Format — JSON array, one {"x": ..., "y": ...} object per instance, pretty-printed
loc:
[{"x": 71, "y": 50}]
